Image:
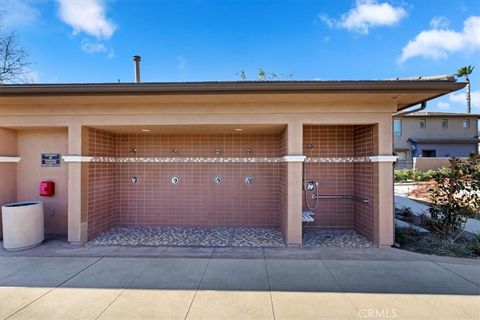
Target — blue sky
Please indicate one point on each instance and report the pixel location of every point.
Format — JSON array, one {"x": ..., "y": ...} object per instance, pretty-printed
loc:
[{"x": 94, "y": 40}]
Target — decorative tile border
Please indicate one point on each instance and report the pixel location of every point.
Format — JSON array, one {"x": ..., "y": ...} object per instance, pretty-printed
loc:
[
  {"x": 104, "y": 159},
  {"x": 228, "y": 159},
  {"x": 187, "y": 160}
]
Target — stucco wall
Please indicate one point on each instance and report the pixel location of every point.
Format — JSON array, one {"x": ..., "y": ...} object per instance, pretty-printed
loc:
[
  {"x": 424, "y": 164},
  {"x": 31, "y": 144}
]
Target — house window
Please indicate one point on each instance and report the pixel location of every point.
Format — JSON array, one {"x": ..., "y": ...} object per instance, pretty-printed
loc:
[
  {"x": 444, "y": 123},
  {"x": 423, "y": 123},
  {"x": 466, "y": 123},
  {"x": 402, "y": 155},
  {"x": 397, "y": 128},
  {"x": 429, "y": 153}
]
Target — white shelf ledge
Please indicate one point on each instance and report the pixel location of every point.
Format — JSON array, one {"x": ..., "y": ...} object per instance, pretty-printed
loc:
[
  {"x": 10, "y": 159},
  {"x": 294, "y": 158}
]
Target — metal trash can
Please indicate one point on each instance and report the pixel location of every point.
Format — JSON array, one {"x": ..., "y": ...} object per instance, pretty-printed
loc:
[{"x": 23, "y": 225}]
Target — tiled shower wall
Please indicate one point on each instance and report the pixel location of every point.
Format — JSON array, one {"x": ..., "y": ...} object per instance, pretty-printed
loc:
[
  {"x": 342, "y": 173},
  {"x": 366, "y": 143},
  {"x": 101, "y": 182},
  {"x": 283, "y": 186},
  {"x": 196, "y": 200}
]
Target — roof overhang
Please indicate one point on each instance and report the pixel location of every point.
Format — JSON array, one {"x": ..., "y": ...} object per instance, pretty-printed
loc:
[
  {"x": 405, "y": 92},
  {"x": 444, "y": 141}
]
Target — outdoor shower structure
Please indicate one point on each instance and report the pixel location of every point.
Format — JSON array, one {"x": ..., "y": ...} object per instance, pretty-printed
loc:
[{"x": 207, "y": 154}]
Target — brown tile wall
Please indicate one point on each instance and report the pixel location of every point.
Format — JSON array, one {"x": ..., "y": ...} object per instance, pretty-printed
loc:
[
  {"x": 198, "y": 145},
  {"x": 101, "y": 182},
  {"x": 283, "y": 186},
  {"x": 365, "y": 145},
  {"x": 196, "y": 200}
]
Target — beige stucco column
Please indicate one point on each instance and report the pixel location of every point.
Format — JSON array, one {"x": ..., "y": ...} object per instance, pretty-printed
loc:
[
  {"x": 294, "y": 160},
  {"x": 8, "y": 167},
  {"x": 383, "y": 185},
  {"x": 77, "y": 184}
]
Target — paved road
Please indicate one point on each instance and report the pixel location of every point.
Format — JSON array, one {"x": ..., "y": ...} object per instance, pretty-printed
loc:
[{"x": 67, "y": 287}]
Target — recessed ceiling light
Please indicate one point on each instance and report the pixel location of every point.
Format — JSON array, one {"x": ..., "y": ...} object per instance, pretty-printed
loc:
[
  {"x": 239, "y": 129},
  {"x": 145, "y": 130}
]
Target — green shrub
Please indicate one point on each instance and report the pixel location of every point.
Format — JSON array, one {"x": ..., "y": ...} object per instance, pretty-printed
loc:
[
  {"x": 422, "y": 176},
  {"x": 403, "y": 175},
  {"x": 474, "y": 245},
  {"x": 418, "y": 176},
  {"x": 401, "y": 237}
]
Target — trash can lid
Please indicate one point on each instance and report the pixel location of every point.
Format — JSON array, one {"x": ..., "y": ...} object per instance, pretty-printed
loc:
[{"x": 22, "y": 204}]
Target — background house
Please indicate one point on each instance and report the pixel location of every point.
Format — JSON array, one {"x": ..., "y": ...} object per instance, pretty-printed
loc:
[{"x": 434, "y": 135}]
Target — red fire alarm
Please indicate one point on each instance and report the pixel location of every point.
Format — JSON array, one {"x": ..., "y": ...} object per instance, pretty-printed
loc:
[{"x": 47, "y": 188}]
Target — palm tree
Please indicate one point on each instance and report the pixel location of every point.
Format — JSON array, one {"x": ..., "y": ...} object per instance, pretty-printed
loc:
[{"x": 465, "y": 72}]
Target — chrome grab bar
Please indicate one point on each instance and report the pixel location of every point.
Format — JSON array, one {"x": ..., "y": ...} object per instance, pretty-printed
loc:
[{"x": 353, "y": 197}]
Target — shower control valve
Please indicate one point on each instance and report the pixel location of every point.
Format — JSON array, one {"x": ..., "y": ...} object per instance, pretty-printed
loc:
[{"x": 310, "y": 185}]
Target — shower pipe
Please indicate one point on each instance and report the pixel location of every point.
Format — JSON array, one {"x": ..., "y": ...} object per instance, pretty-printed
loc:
[{"x": 305, "y": 189}]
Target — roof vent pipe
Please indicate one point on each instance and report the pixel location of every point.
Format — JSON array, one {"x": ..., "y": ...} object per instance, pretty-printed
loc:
[
  {"x": 137, "y": 60},
  {"x": 423, "y": 105}
]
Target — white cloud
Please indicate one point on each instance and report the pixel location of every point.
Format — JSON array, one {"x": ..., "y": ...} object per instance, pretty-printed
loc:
[
  {"x": 18, "y": 13},
  {"x": 438, "y": 43},
  {"x": 93, "y": 47},
  {"x": 461, "y": 98},
  {"x": 443, "y": 105},
  {"x": 330, "y": 22},
  {"x": 365, "y": 15},
  {"x": 96, "y": 47},
  {"x": 439, "y": 23},
  {"x": 86, "y": 16}
]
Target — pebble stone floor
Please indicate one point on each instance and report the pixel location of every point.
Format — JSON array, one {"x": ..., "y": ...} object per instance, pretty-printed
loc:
[{"x": 224, "y": 237}]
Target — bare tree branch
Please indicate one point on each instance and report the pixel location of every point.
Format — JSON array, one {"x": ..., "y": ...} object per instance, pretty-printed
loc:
[{"x": 13, "y": 59}]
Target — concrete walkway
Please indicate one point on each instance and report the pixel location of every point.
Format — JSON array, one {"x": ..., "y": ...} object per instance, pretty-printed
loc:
[{"x": 260, "y": 283}]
